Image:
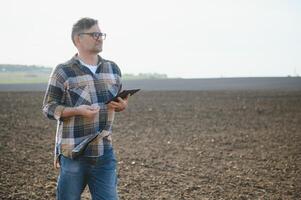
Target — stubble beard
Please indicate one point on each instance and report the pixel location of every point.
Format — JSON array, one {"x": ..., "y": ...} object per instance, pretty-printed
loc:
[{"x": 97, "y": 49}]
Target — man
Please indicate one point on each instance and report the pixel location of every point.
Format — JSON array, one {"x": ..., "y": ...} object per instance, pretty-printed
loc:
[{"x": 76, "y": 97}]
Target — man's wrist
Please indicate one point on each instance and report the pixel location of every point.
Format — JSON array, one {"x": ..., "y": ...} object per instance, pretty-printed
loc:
[{"x": 77, "y": 110}]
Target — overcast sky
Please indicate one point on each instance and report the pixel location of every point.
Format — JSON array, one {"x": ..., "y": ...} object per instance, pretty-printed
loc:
[{"x": 189, "y": 39}]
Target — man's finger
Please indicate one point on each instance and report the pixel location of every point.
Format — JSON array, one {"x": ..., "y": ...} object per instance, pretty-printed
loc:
[
  {"x": 56, "y": 164},
  {"x": 115, "y": 104},
  {"x": 120, "y": 99},
  {"x": 93, "y": 108},
  {"x": 127, "y": 97}
]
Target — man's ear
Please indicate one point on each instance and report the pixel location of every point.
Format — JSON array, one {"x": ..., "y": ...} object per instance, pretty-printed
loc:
[{"x": 76, "y": 40}]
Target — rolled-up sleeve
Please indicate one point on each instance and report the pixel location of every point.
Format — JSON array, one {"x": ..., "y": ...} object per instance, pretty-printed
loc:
[{"x": 53, "y": 104}]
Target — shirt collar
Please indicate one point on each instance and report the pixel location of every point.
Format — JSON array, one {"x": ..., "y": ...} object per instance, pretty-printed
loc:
[{"x": 75, "y": 60}]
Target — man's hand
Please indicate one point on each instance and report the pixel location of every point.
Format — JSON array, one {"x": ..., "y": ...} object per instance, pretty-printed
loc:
[
  {"x": 87, "y": 111},
  {"x": 120, "y": 105},
  {"x": 56, "y": 163}
]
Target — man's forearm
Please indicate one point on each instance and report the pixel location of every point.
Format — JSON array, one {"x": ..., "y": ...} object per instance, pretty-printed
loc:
[
  {"x": 83, "y": 110},
  {"x": 70, "y": 111}
]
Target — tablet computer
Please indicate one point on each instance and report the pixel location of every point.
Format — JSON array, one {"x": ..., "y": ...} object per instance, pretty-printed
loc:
[{"x": 124, "y": 94}]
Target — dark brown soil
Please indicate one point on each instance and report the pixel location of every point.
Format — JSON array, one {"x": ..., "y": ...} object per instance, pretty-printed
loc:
[{"x": 169, "y": 145}]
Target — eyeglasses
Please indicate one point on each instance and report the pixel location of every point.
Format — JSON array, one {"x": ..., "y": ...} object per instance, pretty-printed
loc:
[{"x": 95, "y": 35}]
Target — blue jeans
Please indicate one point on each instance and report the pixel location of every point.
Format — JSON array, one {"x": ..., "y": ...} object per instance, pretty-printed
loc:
[{"x": 98, "y": 173}]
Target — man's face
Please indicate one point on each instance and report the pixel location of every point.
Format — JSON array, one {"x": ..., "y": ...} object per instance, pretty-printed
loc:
[{"x": 89, "y": 43}]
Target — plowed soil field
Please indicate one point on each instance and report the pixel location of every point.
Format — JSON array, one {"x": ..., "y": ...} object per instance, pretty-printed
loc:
[{"x": 169, "y": 145}]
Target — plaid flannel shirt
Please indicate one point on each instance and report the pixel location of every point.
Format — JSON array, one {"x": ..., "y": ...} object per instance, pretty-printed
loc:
[{"x": 72, "y": 84}]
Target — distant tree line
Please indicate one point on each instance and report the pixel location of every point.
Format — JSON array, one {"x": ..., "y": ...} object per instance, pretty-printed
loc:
[
  {"x": 41, "y": 69},
  {"x": 24, "y": 68},
  {"x": 145, "y": 76}
]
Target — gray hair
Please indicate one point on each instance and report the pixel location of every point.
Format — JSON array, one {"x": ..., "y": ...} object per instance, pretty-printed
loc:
[{"x": 81, "y": 25}]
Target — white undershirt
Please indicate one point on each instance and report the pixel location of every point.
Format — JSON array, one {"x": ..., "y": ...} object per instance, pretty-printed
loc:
[{"x": 92, "y": 68}]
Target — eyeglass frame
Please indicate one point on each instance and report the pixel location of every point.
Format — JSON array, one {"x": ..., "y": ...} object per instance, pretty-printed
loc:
[{"x": 97, "y": 36}]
